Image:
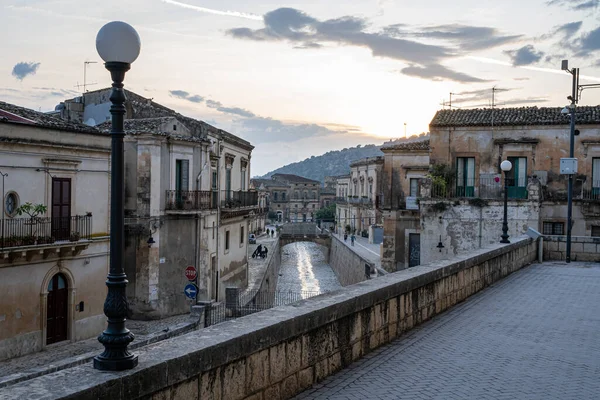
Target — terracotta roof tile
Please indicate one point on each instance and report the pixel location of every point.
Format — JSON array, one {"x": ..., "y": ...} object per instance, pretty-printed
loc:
[
  {"x": 421, "y": 145},
  {"x": 513, "y": 116},
  {"x": 21, "y": 115}
]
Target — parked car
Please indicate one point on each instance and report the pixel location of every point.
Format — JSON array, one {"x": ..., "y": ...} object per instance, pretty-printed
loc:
[{"x": 252, "y": 238}]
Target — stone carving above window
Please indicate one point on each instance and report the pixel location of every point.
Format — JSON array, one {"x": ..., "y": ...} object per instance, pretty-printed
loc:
[{"x": 229, "y": 158}]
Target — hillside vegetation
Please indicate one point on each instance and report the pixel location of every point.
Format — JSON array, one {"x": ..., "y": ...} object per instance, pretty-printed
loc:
[{"x": 335, "y": 162}]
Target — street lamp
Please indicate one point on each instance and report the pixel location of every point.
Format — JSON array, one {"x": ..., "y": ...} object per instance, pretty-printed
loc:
[
  {"x": 505, "y": 166},
  {"x": 118, "y": 44}
]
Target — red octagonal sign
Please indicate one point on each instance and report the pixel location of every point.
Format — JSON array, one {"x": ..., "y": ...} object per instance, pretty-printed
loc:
[{"x": 190, "y": 273}]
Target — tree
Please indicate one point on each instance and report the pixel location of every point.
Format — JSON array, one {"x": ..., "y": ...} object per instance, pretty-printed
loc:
[{"x": 327, "y": 213}]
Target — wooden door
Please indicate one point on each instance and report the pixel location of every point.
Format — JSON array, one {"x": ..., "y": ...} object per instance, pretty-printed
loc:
[
  {"x": 57, "y": 309},
  {"x": 61, "y": 208}
]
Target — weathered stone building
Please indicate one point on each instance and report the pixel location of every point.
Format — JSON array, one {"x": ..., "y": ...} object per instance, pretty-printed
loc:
[
  {"x": 462, "y": 208},
  {"x": 359, "y": 209},
  {"x": 291, "y": 198},
  {"x": 404, "y": 165},
  {"x": 187, "y": 202},
  {"x": 53, "y": 264}
]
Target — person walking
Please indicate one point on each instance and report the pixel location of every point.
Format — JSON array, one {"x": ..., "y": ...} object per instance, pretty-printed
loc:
[
  {"x": 352, "y": 238},
  {"x": 345, "y": 236}
]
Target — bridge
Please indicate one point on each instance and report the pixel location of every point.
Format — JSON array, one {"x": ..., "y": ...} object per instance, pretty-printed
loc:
[
  {"x": 303, "y": 232},
  {"x": 531, "y": 335}
]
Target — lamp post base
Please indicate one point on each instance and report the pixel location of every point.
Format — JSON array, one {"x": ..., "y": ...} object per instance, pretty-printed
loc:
[
  {"x": 110, "y": 364},
  {"x": 116, "y": 356},
  {"x": 504, "y": 239}
]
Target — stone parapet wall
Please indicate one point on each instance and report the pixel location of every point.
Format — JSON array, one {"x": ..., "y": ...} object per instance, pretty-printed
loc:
[
  {"x": 279, "y": 352},
  {"x": 583, "y": 248},
  {"x": 349, "y": 267}
]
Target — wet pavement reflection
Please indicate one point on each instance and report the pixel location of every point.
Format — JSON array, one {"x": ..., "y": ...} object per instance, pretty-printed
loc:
[{"x": 304, "y": 268}]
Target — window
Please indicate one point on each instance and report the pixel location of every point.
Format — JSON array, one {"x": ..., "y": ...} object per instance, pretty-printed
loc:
[
  {"x": 11, "y": 203},
  {"x": 283, "y": 196},
  {"x": 241, "y": 235},
  {"x": 517, "y": 178},
  {"x": 596, "y": 178},
  {"x": 182, "y": 169},
  {"x": 228, "y": 180},
  {"x": 370, "y": 188},
  {"x": 596, "y": 230},
  {"x": 296, "y": 205},
  {"x": 226, "y": 241},
  {"x": 414, "y": 187},
  {"x": 313, "y": 205},
  {"x": 275, "y": 194},
  {"x": 465, "y": 176},
  {"x": 213, "y": 230},
  {"x": 553, "y": 228},
  {"x": 243, "y": 184}
]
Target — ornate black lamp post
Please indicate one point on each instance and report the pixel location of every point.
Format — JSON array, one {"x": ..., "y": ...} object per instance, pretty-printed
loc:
[
  {"x": 505, "y": 166},
  {"x": 119, "y": 45}
]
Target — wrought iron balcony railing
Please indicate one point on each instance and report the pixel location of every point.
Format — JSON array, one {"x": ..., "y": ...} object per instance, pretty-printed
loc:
[
  {"x": 589, "y": 192},
  {"x": 238, "y": 199},
  {"x": 191, "y": 200},
  {"x": 487, "y": 188},
  {"x": 15, "y": 232}
]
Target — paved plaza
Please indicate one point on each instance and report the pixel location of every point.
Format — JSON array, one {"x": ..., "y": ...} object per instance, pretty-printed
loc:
[{"x": 533, "y": 335}]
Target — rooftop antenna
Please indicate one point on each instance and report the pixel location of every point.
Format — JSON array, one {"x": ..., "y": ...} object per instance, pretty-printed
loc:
[
  {"x": 85, "y": 84},
  {"x": 405, "y": 130}
]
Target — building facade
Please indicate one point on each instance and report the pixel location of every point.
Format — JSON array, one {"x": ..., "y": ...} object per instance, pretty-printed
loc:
[
  {"x": 303, "y": 195},
  {"x": 467, "y": 147},
  {"x": 359, "y": 197},
  {"x": 187, "y": 203},
  {"x": 53, "y": 262}
]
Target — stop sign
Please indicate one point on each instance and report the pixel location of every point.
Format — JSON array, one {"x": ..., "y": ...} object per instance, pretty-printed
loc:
[{"x": 190, "y": 273}]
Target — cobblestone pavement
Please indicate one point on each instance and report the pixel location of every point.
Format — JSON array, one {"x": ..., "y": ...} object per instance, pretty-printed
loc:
[
  {"x": 534, "y": 335},
  {"x": 304, "y": 268},
  {"x": 65, "y": 350}
]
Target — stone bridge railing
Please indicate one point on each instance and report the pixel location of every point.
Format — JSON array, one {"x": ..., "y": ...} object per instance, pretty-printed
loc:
[{"x": 282, "y": 351}]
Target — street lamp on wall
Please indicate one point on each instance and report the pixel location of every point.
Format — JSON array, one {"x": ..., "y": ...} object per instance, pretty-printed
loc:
[
  {"x": 118, "y": 44},
  {"x": 505, "y": 166}
]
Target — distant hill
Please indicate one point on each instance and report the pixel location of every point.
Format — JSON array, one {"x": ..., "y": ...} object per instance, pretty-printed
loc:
[{"x": 335, "y": 162}]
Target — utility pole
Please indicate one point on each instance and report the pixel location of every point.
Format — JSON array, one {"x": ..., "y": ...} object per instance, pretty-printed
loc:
[{"x": 405, "y": 130}]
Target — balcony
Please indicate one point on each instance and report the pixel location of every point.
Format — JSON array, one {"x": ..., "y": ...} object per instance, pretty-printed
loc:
[
  {"x": 340, "y": 200},
  {"x": 26, "y": 237},
  {"x": 304, "y": 198},
  {"x": 360, "y": 200},
  {"x": 589, "y": 192},
  {"x": 487, "y": 188},
  {"x": 235, "y": 199},
  {"x": 190, "y": 200}
]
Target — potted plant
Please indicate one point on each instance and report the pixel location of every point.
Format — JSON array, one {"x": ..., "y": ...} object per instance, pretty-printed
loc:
[
  {"x": 33, "y": 210},
  {"x": 75, "y": 236}
]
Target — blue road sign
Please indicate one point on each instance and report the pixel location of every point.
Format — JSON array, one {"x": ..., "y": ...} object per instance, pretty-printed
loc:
[{"x": 190, "y": 290}]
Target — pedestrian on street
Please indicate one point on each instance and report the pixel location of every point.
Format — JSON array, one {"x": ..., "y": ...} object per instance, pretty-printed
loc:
[
  {"x": 268, "y": 232},
  {"x": 352, "y": 238},
  {"x": 345, "y": 237}
]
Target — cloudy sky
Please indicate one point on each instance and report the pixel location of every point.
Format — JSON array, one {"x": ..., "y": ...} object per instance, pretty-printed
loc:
[{"x": 304, "y": 77}]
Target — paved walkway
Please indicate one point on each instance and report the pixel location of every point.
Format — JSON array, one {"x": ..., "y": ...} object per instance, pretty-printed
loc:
[
  {"x": 365, "y": 249},
  {"x": 65, "y": 354},
  {"x": 534, "y": 335}
]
